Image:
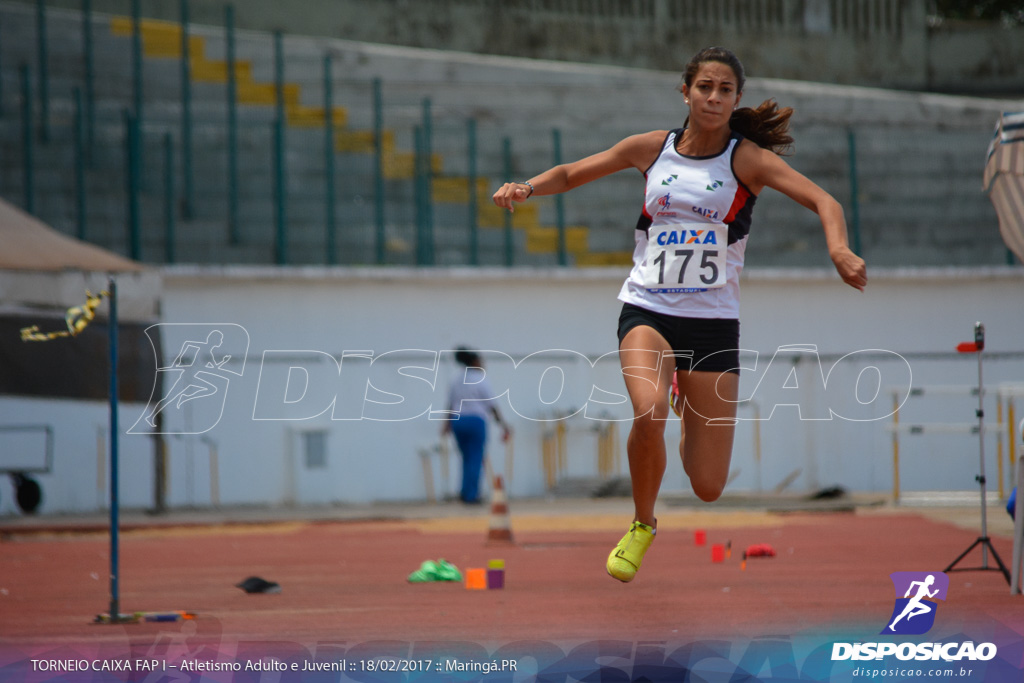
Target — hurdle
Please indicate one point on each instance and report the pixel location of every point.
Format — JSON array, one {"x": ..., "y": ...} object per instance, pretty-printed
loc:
[
  {"x": 554, "y": 446},
  {"x": 441, "y": 450},
  {"x": 554, "y": 452},
  {"x": 963, "y": 428},
  {"x": 608, "y": 454}
]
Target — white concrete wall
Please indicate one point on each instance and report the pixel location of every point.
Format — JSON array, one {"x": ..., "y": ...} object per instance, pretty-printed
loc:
[{"x": 921, "y": 315}]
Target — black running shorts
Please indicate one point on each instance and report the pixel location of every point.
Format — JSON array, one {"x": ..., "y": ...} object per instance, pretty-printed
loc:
[{"x": 701, "y": 344}]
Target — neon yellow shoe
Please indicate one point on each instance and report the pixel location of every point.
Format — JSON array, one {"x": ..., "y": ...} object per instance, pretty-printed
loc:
[{"x": 625, "y": 558}]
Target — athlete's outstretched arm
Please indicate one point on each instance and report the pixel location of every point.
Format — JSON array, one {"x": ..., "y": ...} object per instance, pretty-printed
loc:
[
  {"x": 759, "y": 168},
  {"x": 636, "y": 151}
]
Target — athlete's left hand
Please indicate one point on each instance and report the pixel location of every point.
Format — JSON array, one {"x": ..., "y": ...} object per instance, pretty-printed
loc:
[{"x": 851, "y": 268}]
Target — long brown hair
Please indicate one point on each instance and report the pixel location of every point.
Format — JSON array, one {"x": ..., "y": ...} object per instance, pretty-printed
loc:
[{"x": 767, "y": 125}]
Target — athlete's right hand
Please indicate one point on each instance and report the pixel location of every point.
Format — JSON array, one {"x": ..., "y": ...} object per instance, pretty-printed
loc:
[{"x": 509, "y": 193}]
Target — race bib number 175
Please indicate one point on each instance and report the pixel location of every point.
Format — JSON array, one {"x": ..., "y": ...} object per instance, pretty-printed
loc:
[{"x": 687, "y": 257}]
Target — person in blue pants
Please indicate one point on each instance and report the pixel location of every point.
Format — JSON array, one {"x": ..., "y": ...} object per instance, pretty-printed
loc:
[{"x": 471, "y": 401}]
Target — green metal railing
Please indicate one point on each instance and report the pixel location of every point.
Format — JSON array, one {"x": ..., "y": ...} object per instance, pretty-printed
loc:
[
  {"x": 330, "y": 221},
  {"x": 378, "y": 172},
  {"x": 42, "y": 60},
  {"x": 137, "y": 61},
  {"x": 133, "y": 182},
  {"x": 563, "y": 250},
  {"x": 81, "y": 193},
  {"x": 506, "y": 149},
  {"x": 234, "y": 228},
  {"x": 280, "y": 162},
  {"x": 169, "y": 221},
  {"x": 423, "y": 136},
  {"x": 472, "y": 208},
  {"x": 89, "y": 62},
  {"x": 855, "y": 242},
  {"x": 270, "y": 191},
  {"x": 27, "y": 155},
  {"x": 188, "y": 198}
]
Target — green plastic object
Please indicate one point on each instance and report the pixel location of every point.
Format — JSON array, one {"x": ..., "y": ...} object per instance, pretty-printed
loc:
[{"x": 431, "y": 571}]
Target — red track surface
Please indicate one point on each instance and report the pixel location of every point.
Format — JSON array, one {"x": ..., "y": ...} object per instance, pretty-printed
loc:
[{"x": 346, "y": 582}]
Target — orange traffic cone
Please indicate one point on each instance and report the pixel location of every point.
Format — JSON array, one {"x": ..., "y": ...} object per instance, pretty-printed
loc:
[{"x": 500, "y": 531}]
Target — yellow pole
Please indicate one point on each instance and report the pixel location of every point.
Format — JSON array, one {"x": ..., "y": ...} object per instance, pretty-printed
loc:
[
  {"x": 545, "y": 455},
  {"x": 895, "y": 450},
  {"x": 561, "y": 447},
  {"x": 1011, "y": 418},
  {"x": 999, "y": 443},
  {"x": 616, "y": 454},
  {"x": 757, "y": 442},
  {"x": 602, "y": 452}
]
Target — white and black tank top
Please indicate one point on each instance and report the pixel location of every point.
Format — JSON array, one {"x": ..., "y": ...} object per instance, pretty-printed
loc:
[{"x": 691, "y": 235}]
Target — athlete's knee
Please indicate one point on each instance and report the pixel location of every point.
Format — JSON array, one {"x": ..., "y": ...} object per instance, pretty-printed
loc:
[
  {"x": 708, "y": 492},
  {"x": 650, "y": 422},
  {"x": 707, "y": 486}
]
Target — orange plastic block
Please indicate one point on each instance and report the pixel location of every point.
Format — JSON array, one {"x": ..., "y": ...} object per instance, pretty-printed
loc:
[{"x": 476, "y": 579}]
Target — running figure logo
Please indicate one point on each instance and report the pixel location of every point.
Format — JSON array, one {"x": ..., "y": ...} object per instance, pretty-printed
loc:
[
  {"x": 199, "y": 375},
  {"x": 914, "y": 612}
]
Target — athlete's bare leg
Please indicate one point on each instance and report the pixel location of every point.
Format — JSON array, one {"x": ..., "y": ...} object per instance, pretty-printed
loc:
[
  {"x": 707, "y": 449},
  {"x": 647, "y": 367}
]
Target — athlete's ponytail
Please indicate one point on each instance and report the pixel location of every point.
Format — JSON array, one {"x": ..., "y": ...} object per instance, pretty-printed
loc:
[{"x": 767, "y": 125}]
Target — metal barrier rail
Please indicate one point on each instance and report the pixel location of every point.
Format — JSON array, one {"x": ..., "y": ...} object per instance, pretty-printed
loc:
[{"x": 1004, "y": 393}]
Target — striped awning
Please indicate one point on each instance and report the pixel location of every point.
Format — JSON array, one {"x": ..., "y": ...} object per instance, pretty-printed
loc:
[{"x": 1004, "y": 179}]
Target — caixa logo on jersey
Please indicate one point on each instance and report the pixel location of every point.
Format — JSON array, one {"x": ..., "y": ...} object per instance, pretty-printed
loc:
[{"x": 914, "y": 614}]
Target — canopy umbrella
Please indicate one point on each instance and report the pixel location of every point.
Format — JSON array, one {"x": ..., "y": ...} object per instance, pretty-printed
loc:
[{"x": 1004, "y": 179}]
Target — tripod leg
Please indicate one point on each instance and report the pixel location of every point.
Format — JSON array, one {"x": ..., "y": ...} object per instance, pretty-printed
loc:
[
  {"x": 999, "y": 561},
  {"x": 962, "y": 555}
]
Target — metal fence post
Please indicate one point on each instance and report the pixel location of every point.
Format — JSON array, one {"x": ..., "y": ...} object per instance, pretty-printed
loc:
[
  {"x": 132, "y": 166},
  {"x": 280, "y": 172},
  {"x": 137, "y": 60},
  {"x": 332, "y": 247},
  {"x": 474, "y": 227},
  {"x": 234, "y": 230},
  {"x": 418, "y": 202},
  {"x": 186, "y": 115},
  {"x": 378, "y": 150},
  {"x": 279, "y": 74},
  {"x": 80, "y": 153},
  {"x": 169, "y": 240},
  {"x": 280, "y": 195},
  {"x": 90, "y": 79},
  {"x": 563, "y": 251},
  {"x": 427, "y": 189},
  {"x": 507, "y": 172},
  {"x": 27, "y": 161},
  {"x": 851, "y": 143},
  {"x": 43, "y": 73}
]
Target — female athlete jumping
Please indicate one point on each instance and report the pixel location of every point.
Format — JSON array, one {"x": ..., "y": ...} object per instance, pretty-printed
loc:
[{"x": 681, "y": 299}]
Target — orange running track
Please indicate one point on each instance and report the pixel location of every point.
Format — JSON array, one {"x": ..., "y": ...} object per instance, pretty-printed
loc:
[{"x": 345, "y": 598}]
